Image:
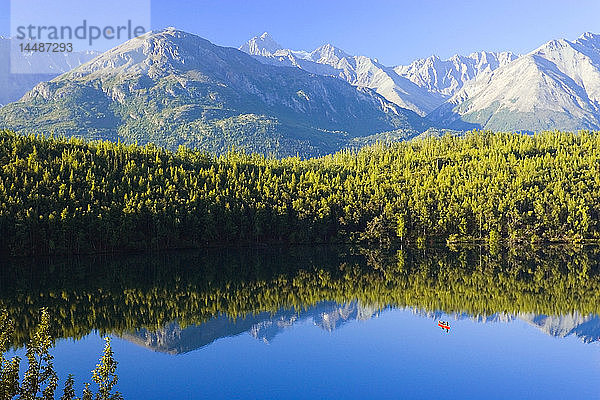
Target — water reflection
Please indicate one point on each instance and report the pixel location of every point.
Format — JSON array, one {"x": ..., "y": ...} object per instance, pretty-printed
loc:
[{"x": 179, "y": 302}]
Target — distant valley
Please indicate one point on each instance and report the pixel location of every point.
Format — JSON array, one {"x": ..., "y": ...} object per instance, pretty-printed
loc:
[{"x": 14, "y": 85}]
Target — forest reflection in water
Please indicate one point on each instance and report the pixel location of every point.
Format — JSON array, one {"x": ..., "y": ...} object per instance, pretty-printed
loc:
[{"x": 177, "y": 302}]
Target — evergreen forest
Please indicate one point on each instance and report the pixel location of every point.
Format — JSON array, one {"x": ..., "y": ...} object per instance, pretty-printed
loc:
[{"x": 70, "y": 196}]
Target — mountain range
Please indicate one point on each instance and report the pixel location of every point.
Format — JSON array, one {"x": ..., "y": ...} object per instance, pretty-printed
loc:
[
  {"x": 174, "y": 88},
  {"x": 556, "y": 86},
  {"x": 421, "y": 86}
]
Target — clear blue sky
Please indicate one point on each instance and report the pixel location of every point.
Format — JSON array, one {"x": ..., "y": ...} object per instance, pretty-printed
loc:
[{"x": 395, "y": 32}]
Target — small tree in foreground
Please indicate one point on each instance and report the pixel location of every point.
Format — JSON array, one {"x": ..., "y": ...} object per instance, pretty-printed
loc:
[
  {"x": 105, "y": 375},
  {"x": 9, "y": 369},
  {"x": 40, "y": 380}
]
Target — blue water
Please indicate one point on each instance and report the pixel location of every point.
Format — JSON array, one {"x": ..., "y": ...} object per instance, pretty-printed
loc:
[
  {"x": 393, "y": 354},
  {"x": 324, "y": 350}
]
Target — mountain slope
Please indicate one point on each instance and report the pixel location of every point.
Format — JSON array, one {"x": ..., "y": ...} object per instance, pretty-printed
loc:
[
  {"x": 359, "y": 71},
  {"x": 174, "y": 88},
  {"x": 556, "y": 86}
]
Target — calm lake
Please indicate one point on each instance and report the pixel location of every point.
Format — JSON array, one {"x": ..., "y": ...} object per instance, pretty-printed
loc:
[{"x": 322, "y": 323}]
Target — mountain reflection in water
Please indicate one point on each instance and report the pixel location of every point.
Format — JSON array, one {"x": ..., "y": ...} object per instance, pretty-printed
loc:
[
  {"x": 264, "y": 326},
  {"x": 329, "y": 316}
]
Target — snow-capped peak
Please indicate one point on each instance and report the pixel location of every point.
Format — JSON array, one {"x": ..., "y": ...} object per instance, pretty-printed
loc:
[
  {"x": 263, "y": 45},
  {"x": 589, "y": 36},
  {"x": 328, "y": 54},
  {"x": 589, "y": 40}
]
